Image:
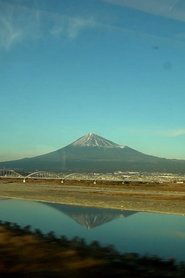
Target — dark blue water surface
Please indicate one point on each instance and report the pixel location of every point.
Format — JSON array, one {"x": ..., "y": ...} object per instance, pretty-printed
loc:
[{"x": 128, "y": 231}]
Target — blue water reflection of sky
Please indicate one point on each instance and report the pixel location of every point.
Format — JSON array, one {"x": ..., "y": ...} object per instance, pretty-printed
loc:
[{"x": 144, "y": 233}]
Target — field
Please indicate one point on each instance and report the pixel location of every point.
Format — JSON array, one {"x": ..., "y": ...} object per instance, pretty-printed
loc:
[{"x": 164, "y": 198}]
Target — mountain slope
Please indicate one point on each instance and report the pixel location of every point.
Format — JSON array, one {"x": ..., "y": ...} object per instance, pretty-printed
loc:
[
  {"x": 92, "y": 153},
  {"x": 93, "y": 140},
  {"x": 90, "y": 217}
]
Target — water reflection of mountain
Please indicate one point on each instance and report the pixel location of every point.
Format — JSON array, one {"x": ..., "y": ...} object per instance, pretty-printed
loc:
[{"x": 91, "y": 217}]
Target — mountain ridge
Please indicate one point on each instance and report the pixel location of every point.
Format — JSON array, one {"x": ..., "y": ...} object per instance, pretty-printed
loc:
[
  {"x": 91, "y": 217},
  {"x": 94, "y": 140},
  {"x": 93, "y": 153}
]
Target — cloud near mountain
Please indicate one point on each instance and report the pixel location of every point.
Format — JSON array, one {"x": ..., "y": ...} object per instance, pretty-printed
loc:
[
  {"x": 174, "y": 9},
  {"x": 19, "y": 22}
]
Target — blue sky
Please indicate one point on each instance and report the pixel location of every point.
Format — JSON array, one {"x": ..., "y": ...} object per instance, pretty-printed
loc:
[{"x": 115, "y": 68}]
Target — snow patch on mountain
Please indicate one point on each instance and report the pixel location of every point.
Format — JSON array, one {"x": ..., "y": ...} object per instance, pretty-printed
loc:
[{"x": 93, "y": 140}]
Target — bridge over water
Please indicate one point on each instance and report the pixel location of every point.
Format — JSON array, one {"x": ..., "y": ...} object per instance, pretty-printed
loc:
[{"x": 7, "y": 173}]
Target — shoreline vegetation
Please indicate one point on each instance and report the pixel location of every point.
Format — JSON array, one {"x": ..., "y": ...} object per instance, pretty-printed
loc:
[
  {"x": 30, "y": 253},
  {"x": 161, "y": 198}
]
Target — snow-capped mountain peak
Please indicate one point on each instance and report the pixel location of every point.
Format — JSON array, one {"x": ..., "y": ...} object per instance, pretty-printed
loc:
[{"x": 93, "y": 140}]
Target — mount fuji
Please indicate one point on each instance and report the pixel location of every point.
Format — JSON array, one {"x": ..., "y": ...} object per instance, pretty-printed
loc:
[
  {"x": 90, "y": 217},
  {"x": 93, "y": 153}
]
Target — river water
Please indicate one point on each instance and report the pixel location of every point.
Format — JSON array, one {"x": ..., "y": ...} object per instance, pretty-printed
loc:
[{"x": 128, "y": 231}]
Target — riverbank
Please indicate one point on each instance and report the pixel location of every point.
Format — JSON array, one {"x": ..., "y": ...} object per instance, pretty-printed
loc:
[
  {"x": 166, "y": 198},
  {"x": 61, "y": 257}
]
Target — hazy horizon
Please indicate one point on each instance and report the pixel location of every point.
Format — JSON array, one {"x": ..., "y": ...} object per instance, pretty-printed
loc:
[{"x": 19, "y": 156}]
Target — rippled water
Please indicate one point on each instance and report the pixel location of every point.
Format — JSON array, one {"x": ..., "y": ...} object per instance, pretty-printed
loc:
[{"x": 128, "y": 231}]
